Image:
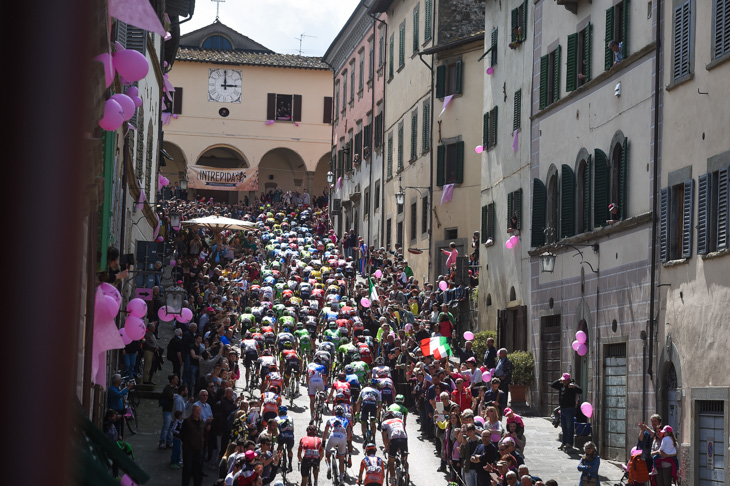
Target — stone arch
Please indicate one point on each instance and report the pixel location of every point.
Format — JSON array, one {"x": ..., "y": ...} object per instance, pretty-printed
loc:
[
  {"x": 318, "y": 182},
  {"x": 221, "y": 156},
  {"x": 669, "y": 385},
  {"x": 552, "y": 206},
  {"x": 282, "y": 168},
  {"x": 582, "y": 217},
  {"x": 615, "y": 157}
]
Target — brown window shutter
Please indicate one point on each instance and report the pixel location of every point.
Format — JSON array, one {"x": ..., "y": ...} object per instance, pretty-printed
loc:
[
  {"x": 327, "y": 117},
  {"x": 177, "y": 100},
  {"x": 271, "y": 106},
  {"x": 297, "y": 108}
]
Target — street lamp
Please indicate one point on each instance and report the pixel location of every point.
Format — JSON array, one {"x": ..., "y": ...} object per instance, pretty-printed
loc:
[
  {"x": 184, "y": 184},
  {"x": 330, "y": 177},
  {"x": 547, "y": 262},
  {"x": 174, "y": 297},
  {"x": 175, "y": 219}
]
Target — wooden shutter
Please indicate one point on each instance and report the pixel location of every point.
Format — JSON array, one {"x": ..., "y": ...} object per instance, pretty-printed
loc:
[
  {"x": 297, "y": 108},
  {"x": 427, "y": 21},
  {"x": 704, "y": 191},
  {"x": 492, "y": 218},
  {"x": 440, "y": 165},
  {"x": 493, "y": 127},
  {"x": 625, "y": 30},
  {"x": 391, "y": 58},
  {"x": 587, "y": 199},
  {"x": 517, "y": 206},
  {"x": 121, "y": 31},
  {"x": 587, "y": 50},
  {"x": 510, "y": 209},
  {"x": 414, "y": 135},
  {"x": 177, "y": 100},
  {"x": 271, "y": 106},
  {"x": 441, "y": 81},
  {"x": 494, "y": 47},
  {"x": 623, "y": 210},
  {"x": 664, "y": 202},
  {"x": 390, "y": 155},
  {"x": 485, "y": 131},
  {"x": 608, "y": 61},
  {"x": 525, "y": 6},
  {"x": 136, "y": 39},
  {"x": 402, "y": 45},
  {"x": 556, "y": 73},
  {"x": 459, "y": 163},
  {"x": 723, "y": 202},
  {"x": 415, "y": 30},
  {"x": 571, "y": 67},
  {"x": 722, "y": 28},
  {"x": 543, "y": 80},
  {"x": 517, "y": 120},
  {"x": 459, "y": 66},
  {"x": 515, "y": 23},
  {"x": 539, "y": 201},
  {"x": 485, "y": 221},
  {"x": 327, "y": 115},
  {"x": 680, "y": 66},
  {"x": 400, "y": 146},
  {"x": 426, "y": 135},
  {"x": 602, "y": 179},
  {"x": 358, "y": 144},
  {"x": 567, "y": 202},
  {"x": 687, "y": 217}
]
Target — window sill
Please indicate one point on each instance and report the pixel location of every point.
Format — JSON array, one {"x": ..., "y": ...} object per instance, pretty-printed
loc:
[
  {"x": 489, "y": 242},
  {"x": 412, "y": 160},
  {"x": 716, "y": 254},
  {"x": 717, "y": 61},
  {"x": 674, "y": 263},
  {"x": 426, "y": 41},
  {"x": 400, "y": 68},
  {"x": 415, "y": 53},
  {"x": 425, "y": 151},
  {"x": 680, "y": 81}
]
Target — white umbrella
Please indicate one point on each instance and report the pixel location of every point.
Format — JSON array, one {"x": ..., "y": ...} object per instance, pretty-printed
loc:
[{"x": 219, "y": 223}]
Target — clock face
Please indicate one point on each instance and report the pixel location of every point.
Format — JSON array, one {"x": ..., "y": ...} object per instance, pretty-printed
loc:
[{"x": 224, "y": 85}]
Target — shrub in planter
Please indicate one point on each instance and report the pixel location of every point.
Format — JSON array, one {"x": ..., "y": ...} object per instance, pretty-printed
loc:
[{"x": 523, "y": 367}]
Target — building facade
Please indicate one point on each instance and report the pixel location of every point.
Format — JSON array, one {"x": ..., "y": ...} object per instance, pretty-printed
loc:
[
  {"x": 593, "y": 110},
  {"x": 245, "y": 106},
  {"x": 357, "y": 56},
  {"x": 692, "y": 205}
]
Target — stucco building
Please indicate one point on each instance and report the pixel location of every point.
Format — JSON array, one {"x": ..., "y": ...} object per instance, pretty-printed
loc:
[{"x": 238, "y": 104}]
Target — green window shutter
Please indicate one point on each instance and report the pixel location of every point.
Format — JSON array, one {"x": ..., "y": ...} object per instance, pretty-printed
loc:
[
  {"x": 543, "y": 81},
  {"x": 390, "y": 155},
  {"x": 440, "y": 81},
  {"x": 556, "y": 71},
  {"x": 427, "y": 21},
  {"x": 485, "y": 131},
  {"x": 587, "y": 53},
  {"x": 567, "y": 202},
  {"x": 609, "y": 37},
  {"x": 391, "y": 58},
  {"x": 459, "y": 66},
  {"x": 414, "y": 136},
  {"x": 415, "y": 30},
  {"x": 516, "y": 121},
  {"x": 440, "y": 165},
  {"x": 426, "y": 126},
  {"x": 625, "y": 31},
  {"x": 664, "y": 201},
  {"x": 515, "y": 23},
  {"x": 687, "y": 217},
  {"x": 400, "y": 146},
  {"x": 402, "y": 46},
  {"x": 587, "y": 195},
  {"x": 623, "y": 209},
  {"x": 493, "y": 127},
  {"x": 570, "y": 68},
  {"x": 704, "y": 189},
  {"x": 350, "y": 149},
  {"x": 539, "y": 201},
  {"x": 494, "y": 47},
  {"x": 525, "y": 6},
  {"x": 723, "y": 201},
  {"x": 491, "y": 220},
  {"x": 459, "y": 163},
  {"x": 485, "y": 216},
  {"x": 517, "y": 206},
  {"x": 510, "y": 209},
  {"x": 602, "y": 179}
]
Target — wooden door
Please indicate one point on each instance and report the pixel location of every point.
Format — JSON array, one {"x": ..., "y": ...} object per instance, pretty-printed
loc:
[{"x": 549, "y": 362}]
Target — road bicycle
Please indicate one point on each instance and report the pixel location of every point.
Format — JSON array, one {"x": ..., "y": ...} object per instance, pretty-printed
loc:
[
  {"x": 293, "y": 387},
  {"x": 319, "y": 400},
  {"x": 132, "y": 394},
  {"x": 130, "y": 416},
  {"x": 402, "y": 477},
  {"x": 253, "y": 380},
  {"x": 310, "y": 481}
]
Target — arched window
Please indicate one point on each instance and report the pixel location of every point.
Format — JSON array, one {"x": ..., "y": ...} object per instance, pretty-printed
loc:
[
  {"x": 618, "y": 185},
  {"x": 551, "y": 215},
  {"x": 217, "y": 42},
  {"x": 583, "y": 195}
]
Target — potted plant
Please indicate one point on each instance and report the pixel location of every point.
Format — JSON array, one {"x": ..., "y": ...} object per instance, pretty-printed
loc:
[{"x": 523, "y": 374}]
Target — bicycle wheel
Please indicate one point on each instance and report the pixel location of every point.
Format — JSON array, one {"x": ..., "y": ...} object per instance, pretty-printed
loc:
[
  {"x": 292, "y": 384},
  {"x": 134, "y": 396},
  {"x": 284, "y": 467},
  {"x": 335, "y": 472},
  {"x": 131, "y": 421}
]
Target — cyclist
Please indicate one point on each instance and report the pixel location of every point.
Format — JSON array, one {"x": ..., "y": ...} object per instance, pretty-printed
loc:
[
  {"x": 291, "y": 361},
  {"x": 387, "y": 388},
  {"x": 395, "y": 439},
  {"x": 325, "y": 356},
  {"x": 286, "y": 433},
  {"x": 347, "y": 351},
  {"x": 354, "y": 382},
  {"x": 316, "y": 376},
  {"x": 399, "y": 408},
  {"x": 366, "y": 354},
  {"x": 273, "y": 380},
  {"x": 303, "y": 339},
  {"x": 357, "y": 326},
  {"x": 250, "y": 351},
  {"x": 271, "y": 401},
  {"x": 332, "y": 334},
  {"x": 373, "y": 466},
  {"x": 341, "y": 386},
  {"x": 266, "y": 362},
  {"x": 369, "y": 404},
  {"x": 313, "y": 450},
  {"x": 312, "y": 326},
  {"x": 341, "y": 436},
  {"x": 380, "y": 369}
]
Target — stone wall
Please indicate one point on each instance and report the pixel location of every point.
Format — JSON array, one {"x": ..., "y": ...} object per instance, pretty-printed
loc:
[{"x": 458, "y": 19}]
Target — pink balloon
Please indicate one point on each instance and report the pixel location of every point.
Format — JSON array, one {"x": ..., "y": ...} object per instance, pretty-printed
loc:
[
  {"x": 486, "y": 376},
  {"x": 515, "y": 240},
  {"x": 587, "y": 409},
  {"x": 125, "y": 339},
  {"x": 137, "y": 101},
  {"x": 509, "y": 244},
  {"x": 134, "y": 327},
  {"x": 490, "y": 70},
  {"x": 575, "y": 345},
  {"x": 131, "y": 64},
  {"x": 468, "y": 335},
  {"x": 163, "y": 315},
  {"x": 186, "y": 316},
  {"x": 112, "y": 292},
  {"x": 113, "y": 116},
  {"x": 137, "y": 307},
  {"x": 126, "y": 103},
  {"x": 365, "y": 303},
  {"x": 581, "y": 337},
  {"x": 106, "y": 60},
  {"x": 443, "y": 285},
  {"x": 132, "y": 91},
  {"x": 173, "y": 263},
  {"x": 160, "y": 239},
  {"x": 582, "y": 349},
  {"x": 378, "y": 274},
  {"x": 479, "y": 149},
  {"x": 479, "y": 419}
]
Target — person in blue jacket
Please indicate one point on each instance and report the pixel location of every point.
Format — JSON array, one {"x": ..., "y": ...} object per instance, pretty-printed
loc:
[{"x": 588, "y": 466}]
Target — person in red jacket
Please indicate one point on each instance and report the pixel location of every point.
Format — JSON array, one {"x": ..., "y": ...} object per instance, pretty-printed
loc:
[
  {"x": 311, "y": 450},
  {"x": 462, "y": 395}
]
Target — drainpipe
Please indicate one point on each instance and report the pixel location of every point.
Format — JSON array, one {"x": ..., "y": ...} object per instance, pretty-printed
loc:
[{"x": 430, "y": 158}]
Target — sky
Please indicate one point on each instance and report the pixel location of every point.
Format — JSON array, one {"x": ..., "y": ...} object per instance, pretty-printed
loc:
[{"x": 277, "y": 24}]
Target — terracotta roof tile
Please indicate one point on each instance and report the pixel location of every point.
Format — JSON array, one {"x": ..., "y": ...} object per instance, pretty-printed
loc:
[{"x": 215, "y": 56}]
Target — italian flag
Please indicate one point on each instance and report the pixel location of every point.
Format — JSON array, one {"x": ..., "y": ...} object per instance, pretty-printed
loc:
[
  {"x": 372, "y": 292},
  {"x": 436, "y": 346}
]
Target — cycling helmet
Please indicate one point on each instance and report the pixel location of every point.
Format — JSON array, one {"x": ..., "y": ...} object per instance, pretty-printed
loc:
[
  {"x": 248, "y": 310},
  {"x": 388, "y": 415},
  {"x": 349, "y": 370},
  {"x": 311, "y": 430},
  {"x": 379, "y": 360},
  {"x": 400, "y": 399},
  {"x": 300, "y": 325},
  {"x": 288, "y": 344},
  {"x": 286, "y": 329},
  {"x": 339, "y": 410},
  {"x": 366, "y": 332},
  {"x": 332, "y": 325},
  {"x": 374, "y": 383},
  {"x": 342, "y": 376},
  {"x": 283, "y": 410},
  {"x": 344, "y": 340},
  {"x": 371, "y": 449}
]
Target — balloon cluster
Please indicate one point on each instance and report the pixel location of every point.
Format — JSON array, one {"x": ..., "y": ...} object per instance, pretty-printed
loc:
[
  {"x": 579, "y": 345},
  {"x": 186, "y": 315},
  {"x": 512, "y": 242},
  {"x": 162, "y": 181},
  {"x": 131, "y": 66},
  {"x": 134, "y": 327}
]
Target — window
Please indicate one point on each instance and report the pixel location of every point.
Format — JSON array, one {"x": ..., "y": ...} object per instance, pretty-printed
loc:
[
  {"x": 284, "y": 107},
  {"x": 682, "y": 42},
  {"x": 217, "y": 42},
  {"x": 361, "y": 73},
  {"x": 450, "y": 164},
  {"x": 601, "y": 188},
  {"x": 619, "y": 175},
  {"x": 379, "y": 128},
  {"x": 448, "y": 79},
  {"x": 617, "y": 25},
  {"x": 451, "y": 233},
  {"x": 337, "y": 99},
  {"x": 376, "y": 199},
  {"x": 426, "y": 127},
  {"x": 358, "y": 142},
  {"x": 367, "y": 139},
  {"x": 578, "y": 69},
  {"x": 366, "y": 203},
  {"x": 349, "y": 152},
  {"x": 173, "y": 106},
  {"x": 344, "y": 91},
  {"x": 583, "y": 197},
  {"x": 391, "y": 57},
  {"x": 415, "y": 29},
  {"x": 514, "y": 210},
  {"x": 390, "y": 155},
  {"x": 539, "y": 201},
  {"x": 341, "y": 159},
  {"x": 399, "y": 234},
  {"x": 327, "y": 114},
  {"x": 720, "y": 28},
  {"x": 371, "y": 58},
  {"x": 519, "y": 23},
  {"x": 493, "y": 47},
  {"x": 352, "y": 82},
  {"x": 488, "y": 220},
  {"x": 550, "y": 78},
  {"x": 414, "y": 220},
  {"x": 517, "y": 115},
  {"x": 424, "y": 215},
  {"x": 675, "y": 231},
  {"x": 388, "y": 233},
  {"x": 400, "y": 145},
  {"x": 567, "y": 202},
  {"x": 414, "y": 135},
  {"x": 489, "y": 129},
  {"x": 712, "y": 211},
  {"x": 402, "y": 45},
  {"x": 427, "y": 20},
  {"x": 551, "y": 214},
  {"x": 381, "y": 47}
]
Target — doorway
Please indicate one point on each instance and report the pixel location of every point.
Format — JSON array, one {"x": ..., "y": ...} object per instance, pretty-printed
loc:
[
  {"x": 614, "y": 393},
  {"x": 549, "y": 362},
  {"x": 512, "y": 328}
]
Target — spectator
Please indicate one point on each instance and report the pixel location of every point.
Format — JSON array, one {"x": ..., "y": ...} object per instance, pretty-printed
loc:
[
  {"x": 166, "y": 402},
  {"x": 490, "y": 356},
  {"x": 191, "y": 437},
  {"x": 150, "y": 347},
  {"x": 588, "y": 465},
  {"x": 568, "y": 393},
  {"x": 503, "y": 370},
  {"x": 617, "y": 48}
]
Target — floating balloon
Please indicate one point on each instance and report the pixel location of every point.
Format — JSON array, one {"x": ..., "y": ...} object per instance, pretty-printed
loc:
[
  {"x": 581, "y": 337},
  {"x": 575, "y": 345},
  {"x": 479, "y": 149},
  {"x": 111, "y": 291},
  {"x": 160, "y": 239},
  {"x": 185, "y": 316},
  {"x": 468, "y": 335},
  {"x": 125, "y": 339},
  {"x": 365, "y": 302},
  {"x": 443, "y": 285},
  {"x": 131, "y": 64},
  {"x": 509, "y": 244},
  {"x": 479, "y": 419},
  {"x": 173, "y": 263},
  {"x": 582, "y": 349},
  {"x": 378, "y": 274},
  {"x": 134, "y": 327},
  {"x": 113, "y": 116},
  {"x": 163, "y": 315},
  {"x": 126, "y": 103},
  {"x": 486, "y": 376},
  {"x": 137, "y": 307},
  {"x": 587, "y": 409},
  {"x": 490, "y": 70}
]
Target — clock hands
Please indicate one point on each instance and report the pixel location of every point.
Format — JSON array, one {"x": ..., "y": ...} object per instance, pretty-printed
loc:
[{"x": 225, "y": 84}]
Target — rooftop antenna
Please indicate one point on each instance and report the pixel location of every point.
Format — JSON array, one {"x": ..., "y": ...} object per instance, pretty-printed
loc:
[
  {"x": 301, "y": 37},
  {"x": 217, "y": 8}
]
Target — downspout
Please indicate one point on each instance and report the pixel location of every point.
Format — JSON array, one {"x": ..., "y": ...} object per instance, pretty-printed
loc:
[{"x": 430, "y": 158}]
